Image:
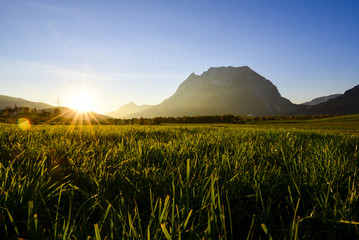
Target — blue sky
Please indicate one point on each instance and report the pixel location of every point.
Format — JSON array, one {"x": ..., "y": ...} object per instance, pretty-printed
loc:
[{"x": 141, "y": 51}]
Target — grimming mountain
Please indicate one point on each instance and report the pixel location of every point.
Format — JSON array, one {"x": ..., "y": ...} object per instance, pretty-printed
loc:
[
  {"x": 127, "y": 109},
  {"x": 7, "y": 101},
  {"x": 223, "y": 90}
]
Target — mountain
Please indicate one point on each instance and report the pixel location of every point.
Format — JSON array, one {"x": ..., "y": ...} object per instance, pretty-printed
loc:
[
  {"x": 128, "y": 109},
  {"x": 223, "y": 90},
  {"x": 348, "y": 103},
  {"x": 7, "y": 101},
  {"x": 320, "y": 100}
]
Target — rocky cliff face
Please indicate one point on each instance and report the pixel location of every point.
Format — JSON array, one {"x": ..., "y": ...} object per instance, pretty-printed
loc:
[{"x": 223, "y": 90}]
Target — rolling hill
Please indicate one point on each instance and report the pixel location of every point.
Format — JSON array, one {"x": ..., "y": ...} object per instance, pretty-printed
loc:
[{"x": 7, "y": 101}]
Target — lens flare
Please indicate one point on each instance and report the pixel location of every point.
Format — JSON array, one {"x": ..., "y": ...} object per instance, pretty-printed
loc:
[{"x": 24, "y": 123}]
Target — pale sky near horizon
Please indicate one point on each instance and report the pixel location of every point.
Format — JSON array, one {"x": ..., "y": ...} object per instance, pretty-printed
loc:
[{"x": 141, "y": 51}]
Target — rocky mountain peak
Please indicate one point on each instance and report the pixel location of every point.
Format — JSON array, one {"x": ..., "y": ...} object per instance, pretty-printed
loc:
[
  {"x": 131, "y": 104},
  {"x": 215, "y": 71},
  {"x": 240, "y": 91},
  {"x": 193, "y": 75},
  {"x": 223, "y": 90}
]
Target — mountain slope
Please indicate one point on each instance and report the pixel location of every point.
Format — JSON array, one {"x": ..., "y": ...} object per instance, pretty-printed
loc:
[
  {"x": 7, "y": 101},
  {"x": 320, "y": 100},
  {"x": 223, "y": 90},
  {"x": 128, "y": 109},
  {"x": 348, "y": 103}
]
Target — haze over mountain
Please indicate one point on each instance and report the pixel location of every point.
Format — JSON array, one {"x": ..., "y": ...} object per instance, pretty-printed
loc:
[
  {"x": 223, "y": 90},
  {"x": 348, "y": 103},
  {"x": 7, "y": 101},
  {"x": 127, "y": 109},
  {"x": 320, "y": 100}
]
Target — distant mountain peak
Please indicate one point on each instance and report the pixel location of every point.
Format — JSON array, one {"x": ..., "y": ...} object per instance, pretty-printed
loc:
[
  {"x": 320, "y": 100},
  {"x": 193, "y": 75},
  {"x": 237, "y": 91},
  {"x": 131, "y": 104},
  {"x": 222, "y": 90},
  {"x": 127, "y": 109}
]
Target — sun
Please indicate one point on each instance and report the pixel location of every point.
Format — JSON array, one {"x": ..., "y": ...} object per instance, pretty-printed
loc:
[{"x": 83, "y": 101}]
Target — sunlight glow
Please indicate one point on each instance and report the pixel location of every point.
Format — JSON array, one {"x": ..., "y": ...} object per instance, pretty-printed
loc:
[{"x": 82, "y": 101}]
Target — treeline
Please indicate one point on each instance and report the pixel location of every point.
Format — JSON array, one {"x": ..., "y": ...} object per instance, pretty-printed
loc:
[
  {"x": 214, "y": 119},
  {"x": 54, "y": 118},
  {"x": 185, "y": 119},
  {"x": 12, "y": 115},
  {"x": 296, "y": 117},
  {"x": 26, "y": 111}
]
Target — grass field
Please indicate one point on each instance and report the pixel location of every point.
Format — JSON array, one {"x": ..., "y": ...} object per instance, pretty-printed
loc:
[
  {"x": 348, "y": 123},
  {"x": 255, "y": 181}
]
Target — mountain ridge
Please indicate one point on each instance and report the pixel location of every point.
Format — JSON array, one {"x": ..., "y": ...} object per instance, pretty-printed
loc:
[
  {"x": 320, "y": 100},
  {"x": 8, "y": 101},
  {"x": 222, "y": 90},
  {"x": 347, "y": 103}
]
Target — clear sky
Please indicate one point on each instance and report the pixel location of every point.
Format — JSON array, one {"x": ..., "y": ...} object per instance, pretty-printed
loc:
[{"x": 141, "y": 51}]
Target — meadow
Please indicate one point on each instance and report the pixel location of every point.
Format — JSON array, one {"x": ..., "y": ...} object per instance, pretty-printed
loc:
[{"x": 179, "y": 182}]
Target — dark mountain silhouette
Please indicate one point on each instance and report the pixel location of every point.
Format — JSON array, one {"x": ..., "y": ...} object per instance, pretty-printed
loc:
[
  {"x": 7, "y": 101},
  {"x": 223, "y": 90},
  {"x": 320, "y": 100},
  {"x": 348, "y": 103},
  {"x": 128, "y": 109}
]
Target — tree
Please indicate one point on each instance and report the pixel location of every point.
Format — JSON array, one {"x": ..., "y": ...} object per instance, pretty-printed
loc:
[
  {"x": 156, "y": 120},
  {"x": 141, "y": 121},
  {"x": 57, "y": 112},
  {"x": 26, "y": 110}
]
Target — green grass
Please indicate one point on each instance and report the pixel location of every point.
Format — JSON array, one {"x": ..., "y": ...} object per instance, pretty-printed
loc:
[
  {"x": 344, "y": 118},
  {"x": 178, "y": 182},
  {"x": 344, "y": 124}
]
